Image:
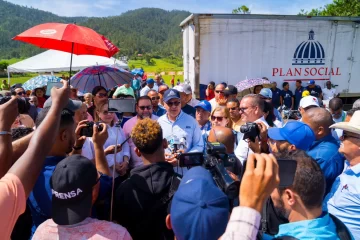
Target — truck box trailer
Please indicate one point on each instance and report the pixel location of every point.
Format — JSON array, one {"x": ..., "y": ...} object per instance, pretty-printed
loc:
[{"x": 233, "y": 47}]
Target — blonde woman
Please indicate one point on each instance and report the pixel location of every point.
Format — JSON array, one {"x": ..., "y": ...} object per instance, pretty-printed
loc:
[{"x": 220, "y": 116}]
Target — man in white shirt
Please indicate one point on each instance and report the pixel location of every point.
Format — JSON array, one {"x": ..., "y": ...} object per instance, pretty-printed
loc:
[
  {"x": 144, "y": 110},
  {"x": 180, "y": 129},
  {"x": 329, "y": 92},
  {"x": 251, "y": 107},
  {"x": 219, "y": 99},
  {"x": 149, "y": 85}
]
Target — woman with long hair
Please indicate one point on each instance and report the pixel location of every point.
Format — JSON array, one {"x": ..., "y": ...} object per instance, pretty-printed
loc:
[
  {"x": 122, "y": 157},
  {"x": 270, "y": 116}
]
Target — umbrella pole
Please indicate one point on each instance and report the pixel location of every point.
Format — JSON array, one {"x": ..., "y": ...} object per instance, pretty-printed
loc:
[
  {"x": 99, "y": 78},
  {"x": 72, "y": 50}
]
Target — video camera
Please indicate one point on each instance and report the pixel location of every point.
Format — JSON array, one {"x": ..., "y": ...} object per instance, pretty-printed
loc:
[
  {"x": 23, "y": 103},
  {"x": 215, "y": 160},
  {"x": 250, "y": 130}
]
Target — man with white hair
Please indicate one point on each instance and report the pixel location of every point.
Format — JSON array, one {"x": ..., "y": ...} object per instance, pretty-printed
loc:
[{"x": 343, "y": 201}]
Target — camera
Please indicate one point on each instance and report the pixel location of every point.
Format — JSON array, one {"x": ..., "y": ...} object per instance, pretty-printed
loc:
[
  {"x": 23, "y": 104},
  {"x": 250, "y": 130},
  {"x": 88, "y": 131},
  {"x": 215, "y": 160}
]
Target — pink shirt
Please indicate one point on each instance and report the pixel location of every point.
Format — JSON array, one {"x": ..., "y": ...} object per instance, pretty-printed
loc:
[
  {"x": 12, "y": 203},
  {"x": 92, "y": 229}
]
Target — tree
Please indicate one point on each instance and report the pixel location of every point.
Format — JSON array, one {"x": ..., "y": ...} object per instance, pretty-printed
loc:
[
  {"x": 349, "y": 8},
  {"x": 243, "y": 9}
]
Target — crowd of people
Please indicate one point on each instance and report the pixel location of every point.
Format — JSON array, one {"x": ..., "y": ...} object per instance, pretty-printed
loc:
[{"x": 72, "y": 169}]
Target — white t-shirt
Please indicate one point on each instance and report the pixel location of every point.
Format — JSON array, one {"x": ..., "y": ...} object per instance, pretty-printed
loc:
[
  {"x": 242, "y": 150},
  {"x": 329, "y": 94},
  {"x": 214, "y": 104},
  {"x": 89, "y": 152}
]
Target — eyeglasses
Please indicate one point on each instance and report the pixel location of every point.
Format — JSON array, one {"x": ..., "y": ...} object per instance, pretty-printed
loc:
[
  {"x": 220, "y": 92},
  {"x": 21, "y": 93},
  {"x": 155, "y": 98},
  {"x": 170, "y": 104},
  {"x": 101, "y": 95},
  {"x": 145, "y": 107},
  {"x": 345, "y": 136},
  {"x": 244, "y": 109},
  {"x": 219, "y": 119}
]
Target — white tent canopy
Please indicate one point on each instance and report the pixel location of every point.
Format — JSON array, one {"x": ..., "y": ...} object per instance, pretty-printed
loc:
[{"x": 57, "y": 61}]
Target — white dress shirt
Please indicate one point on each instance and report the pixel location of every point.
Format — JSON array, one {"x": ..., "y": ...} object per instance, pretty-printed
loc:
[{"x": 242, "y": 150}]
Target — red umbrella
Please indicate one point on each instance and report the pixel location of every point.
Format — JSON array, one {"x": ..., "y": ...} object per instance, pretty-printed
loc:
[{"x": 68, "y": 38}]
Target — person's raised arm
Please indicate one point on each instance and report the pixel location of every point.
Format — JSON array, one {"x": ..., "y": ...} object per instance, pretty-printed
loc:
[
  {"x": 29, "y": 165},
  {"x": 19, "y": 147},
  {"x": 8, "y": 113},
  {"x": 99, "y": 139},
  {"x": 261, "y": 177}
]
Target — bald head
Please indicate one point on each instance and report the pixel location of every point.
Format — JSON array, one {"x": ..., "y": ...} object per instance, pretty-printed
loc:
[
  {"x": 319, "y": 119},
  {"x": 223, "y": 135}
]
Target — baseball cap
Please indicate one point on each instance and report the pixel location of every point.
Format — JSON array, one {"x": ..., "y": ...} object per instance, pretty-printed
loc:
[
  {"x": 150, "y": 81},
  {"x": 71, "y": 185},
  {"x": 204, "y": 105},
  {"x": 171, "y": 94},
  {"x": 72, "y": 105},
  {"x": 305, "y": 93},
  {"x": 311, "y": 82},
  {"x": 296, "y": 133},
  {"x": 308, "y": 101},
  {"x": 185, "y": 88},
  {"x": 230, "y": 89},
  {"x": 266, "y": 93},
  {"x": 352, "y": 126},
  {"x": 199, "y": 209}
]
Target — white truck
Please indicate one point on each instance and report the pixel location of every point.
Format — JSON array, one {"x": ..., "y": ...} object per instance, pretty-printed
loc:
[{"x": 234, "y": 47}]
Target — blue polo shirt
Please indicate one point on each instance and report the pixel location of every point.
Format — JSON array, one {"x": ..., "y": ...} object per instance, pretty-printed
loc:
[
  {"x": 343, "y": 201},
  {"x": 161, "y": 111},
  {"x": 189, "y": 110},
  {"x": 315, "y": 92},
  {"x": 325, "y": 152},
  {"x": 298, "y": 96},
  {"x": 40, "y": 198},
  {"x": 275, "y": 97},
  {"x": 287, "y": 97}
]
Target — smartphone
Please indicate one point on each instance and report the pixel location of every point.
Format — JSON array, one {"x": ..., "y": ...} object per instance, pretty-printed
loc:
[
  {"x": 287, "y": 169},
  {"x": 50, "y": 85},
  {"x": 121, "y": 105}
]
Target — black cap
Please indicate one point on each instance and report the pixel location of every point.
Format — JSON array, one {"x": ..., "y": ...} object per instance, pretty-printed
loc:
[
  {"x": 98, "y": 89},
  {"x": 230, "y": 89},
  {"x": 71, "y": 185}
]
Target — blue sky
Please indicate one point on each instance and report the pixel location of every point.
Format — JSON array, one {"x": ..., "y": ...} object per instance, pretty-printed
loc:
[{"x": 103, "y": 8}]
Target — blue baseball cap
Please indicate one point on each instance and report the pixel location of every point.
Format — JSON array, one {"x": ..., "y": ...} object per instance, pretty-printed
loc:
[
  {"x": 311, "y": 82},
  {"x": 171, "y": 94},
  {"x": 296, "y": 133},
  {"x": 150, "y": 80},
  {"x": 204, "y": 105},
  {"x": 199, "y": 209},
  {"x": 266, "y": 93}
]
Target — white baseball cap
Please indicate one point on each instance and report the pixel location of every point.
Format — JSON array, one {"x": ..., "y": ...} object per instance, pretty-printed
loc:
[{"x": 309, "y": 101}]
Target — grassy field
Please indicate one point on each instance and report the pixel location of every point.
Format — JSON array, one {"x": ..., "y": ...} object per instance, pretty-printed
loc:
[{"x": 158, "y": 67}]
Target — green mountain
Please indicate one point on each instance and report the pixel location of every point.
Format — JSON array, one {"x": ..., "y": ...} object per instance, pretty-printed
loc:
[{"x": 146, "y": 30}]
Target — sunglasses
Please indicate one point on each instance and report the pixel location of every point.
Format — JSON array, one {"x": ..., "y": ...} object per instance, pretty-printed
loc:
[
  {"x": 21, "y": 93},
  {"x": 145, "y": 107},
  {"x": 170, "y": 104},
  {"x": 345, "y": 136},
  {"x": 219, "y": 119},
  {"x": 220, "y": 92},
  {"x": 101, "y": 95},
  {"x": 155, "y": 98}
]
